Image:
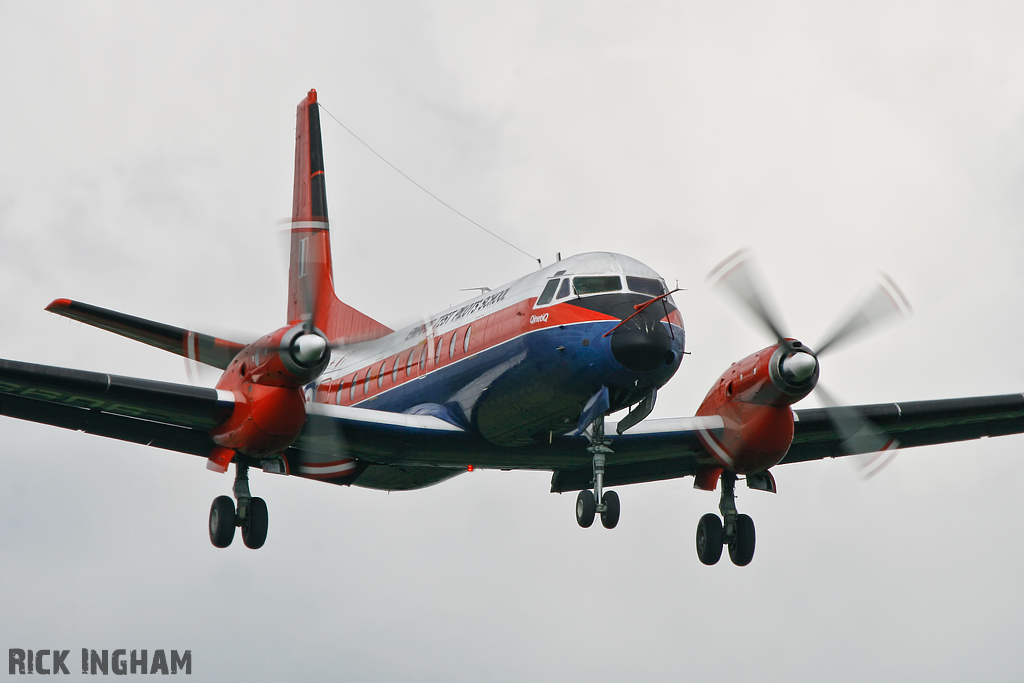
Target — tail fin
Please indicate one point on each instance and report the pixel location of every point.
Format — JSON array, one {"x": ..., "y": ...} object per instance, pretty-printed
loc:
[{"x": 310, "y": 273}]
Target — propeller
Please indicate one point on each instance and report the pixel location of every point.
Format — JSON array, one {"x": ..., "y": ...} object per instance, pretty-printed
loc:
[{"x": 738, "y": 275}]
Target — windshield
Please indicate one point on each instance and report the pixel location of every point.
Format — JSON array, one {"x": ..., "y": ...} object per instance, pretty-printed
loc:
[
  {"x": 594, "y": 285},
  {"x": 645, "y": 285},
  {"x": 548, "y": 293}
]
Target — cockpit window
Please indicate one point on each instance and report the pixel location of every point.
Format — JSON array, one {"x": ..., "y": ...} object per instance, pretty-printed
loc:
[
  {"x": 595, "y": 285},
  {"x": 563, "y": 291},
  {"x": 645, "y": 285},
  {"x": 548, "y": 293}
]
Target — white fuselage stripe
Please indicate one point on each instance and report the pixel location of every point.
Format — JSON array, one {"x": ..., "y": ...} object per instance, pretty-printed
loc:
[
  {"x": 313, "y": 468},
  {"x": 710, "y": 441}
]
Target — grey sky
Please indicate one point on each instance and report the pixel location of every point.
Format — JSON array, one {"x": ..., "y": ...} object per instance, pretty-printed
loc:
[{"x": 145, "y": 164}]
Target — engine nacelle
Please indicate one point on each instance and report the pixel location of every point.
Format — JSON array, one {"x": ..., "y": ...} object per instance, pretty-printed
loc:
[
  {"x": 288, "y": 357},
  {"x": 265, "y": 421},
  {"x": 267, "y": 379},
  {"x": 753, "y": 398}
]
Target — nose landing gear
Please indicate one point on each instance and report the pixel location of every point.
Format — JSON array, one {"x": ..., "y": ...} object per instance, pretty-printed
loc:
[
  {"x": 250, "y": 514},
  {"x": 737, "y": 532},
  {"x": 587, "y": 505}
]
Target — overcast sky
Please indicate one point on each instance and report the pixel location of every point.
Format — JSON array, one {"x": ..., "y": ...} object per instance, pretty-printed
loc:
[{"x": 145, "y": 165}]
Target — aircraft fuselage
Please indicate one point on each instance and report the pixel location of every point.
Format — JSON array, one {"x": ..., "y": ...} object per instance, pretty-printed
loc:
[{"x": 517, "y": 364}]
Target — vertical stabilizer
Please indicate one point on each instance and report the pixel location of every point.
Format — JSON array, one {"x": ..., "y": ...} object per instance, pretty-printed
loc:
[{"x": 310, "y": 273}]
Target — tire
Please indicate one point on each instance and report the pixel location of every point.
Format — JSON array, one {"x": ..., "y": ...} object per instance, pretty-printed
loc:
[
  {"x": 222, "y": 521},
  {"x": 709, "y": 539},
  {"x": 254, "y": 526},
  {"x": 586, "y": 507},
  {"x": 610, "y": 516},
  {"x": 741, "y": 548}
]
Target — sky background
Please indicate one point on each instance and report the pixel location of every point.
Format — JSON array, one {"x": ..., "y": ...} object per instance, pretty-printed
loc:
[{"x": 145, "y": 166}]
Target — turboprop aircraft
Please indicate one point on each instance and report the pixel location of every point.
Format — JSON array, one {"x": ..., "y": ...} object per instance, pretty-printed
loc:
[{"x": 520, "y": 377}]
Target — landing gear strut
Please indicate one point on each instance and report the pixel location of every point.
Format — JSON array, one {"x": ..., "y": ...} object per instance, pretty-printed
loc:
[
  {"x": 587, "y": 505},
  {"x": 737, "y": 532},
  {"x": 250, "y": 514}
]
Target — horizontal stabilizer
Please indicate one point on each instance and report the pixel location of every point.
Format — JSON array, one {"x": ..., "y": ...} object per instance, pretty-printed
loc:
[{"x": 202, "y": 348}]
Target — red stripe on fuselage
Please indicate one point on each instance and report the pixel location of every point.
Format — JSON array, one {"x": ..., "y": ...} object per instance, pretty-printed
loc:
[{"x": 487, "y": 332}]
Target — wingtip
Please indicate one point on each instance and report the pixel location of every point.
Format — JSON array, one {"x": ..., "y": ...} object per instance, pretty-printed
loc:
[{"x": 58, "y": 304}]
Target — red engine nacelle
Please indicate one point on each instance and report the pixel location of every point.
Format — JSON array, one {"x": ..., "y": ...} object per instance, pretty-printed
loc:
[
  {"x": 267, "y": 380},
  {"x": 753, "y": 397}
]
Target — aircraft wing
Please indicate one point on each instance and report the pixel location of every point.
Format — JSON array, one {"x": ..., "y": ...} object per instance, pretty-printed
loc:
[
  {"x": 399, "y": 451},
  {"x": 171, "y": 416},
  {"x": 338, "y": 444},
  {"x": 911, "y": 423}
]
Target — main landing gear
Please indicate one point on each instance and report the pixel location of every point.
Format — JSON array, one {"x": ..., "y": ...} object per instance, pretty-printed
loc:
[
  {"x": 250, "y": 515},
  {"x": 737, "y": 532},
  {"x": 587, "y": 506}
]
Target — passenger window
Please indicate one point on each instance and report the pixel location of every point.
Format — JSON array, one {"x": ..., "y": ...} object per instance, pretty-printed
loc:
[
  {"x": 352, "y": 388},
  {"x": 366, "y": 381},
  {"x": 408, "y": 362},
  {"x": 380, "y": 375},
  {"x": 563, "y": 291},
  {"x": 424, "y": 352},
  {"x": 451, "y": 347},
  {"x": 596, "y": 285},
  {"x": 645, "y": 285},
  {"x": 340, "y": 391},
  {"x": 394, "y": 370},
  {"x": 548, "y": 293},
  {"x": 465, "y": 341},
  {"x": 437, "y": 350}
]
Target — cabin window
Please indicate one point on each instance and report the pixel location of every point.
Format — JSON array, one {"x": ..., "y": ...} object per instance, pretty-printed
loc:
[
  {"x": 645, "y": 285},
  {"x": 597, "y": 284},
  {"x": 451, "y": 347},
  {"x": 394, "y": 370},
  {"x": 366, "y": 380},
  {"x": 548, "y": 293},
  {"x": 465, "y": 340},
  {"x": 380, "y": 374},
  {"x": 437, "y": 350},
  {"x": 563, "y": 291},
  {"x": 352, "y": 388},
  {"x": 340, "y": 391},
  {"x": 424, "y": 352},
  {"x": 409, "y": 361}
]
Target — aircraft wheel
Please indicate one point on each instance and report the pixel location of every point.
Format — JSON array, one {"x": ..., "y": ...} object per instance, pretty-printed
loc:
[
  {"x": 709, "y": 539},
  {"x": 586, "y": 507},
  {"x": 741, "y": 546},
  {"x": 610, "y": 516},
  {"x": 254, "y": 527},
  {"x": 222, "y": 521}
]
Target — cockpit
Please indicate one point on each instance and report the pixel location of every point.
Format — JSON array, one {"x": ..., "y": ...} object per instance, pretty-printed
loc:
[{"x": 559, "y": 288}]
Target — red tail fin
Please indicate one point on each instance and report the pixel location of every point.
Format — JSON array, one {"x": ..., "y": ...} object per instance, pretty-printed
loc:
[{"x": 310, "y": 273}]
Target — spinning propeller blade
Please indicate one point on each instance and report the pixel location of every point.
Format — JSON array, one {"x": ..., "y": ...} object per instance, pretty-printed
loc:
[
  {"x": 883, "y": 301},
  {"x": 739, "y": 276},
  {"x": 860, "y": 436}
]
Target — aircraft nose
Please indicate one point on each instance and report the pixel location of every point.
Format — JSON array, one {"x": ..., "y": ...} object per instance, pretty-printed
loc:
[{"x": 642, "y": 344}]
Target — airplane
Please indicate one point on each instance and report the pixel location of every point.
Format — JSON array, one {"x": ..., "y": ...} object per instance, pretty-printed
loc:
[{"x": 523, "y": 376}]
